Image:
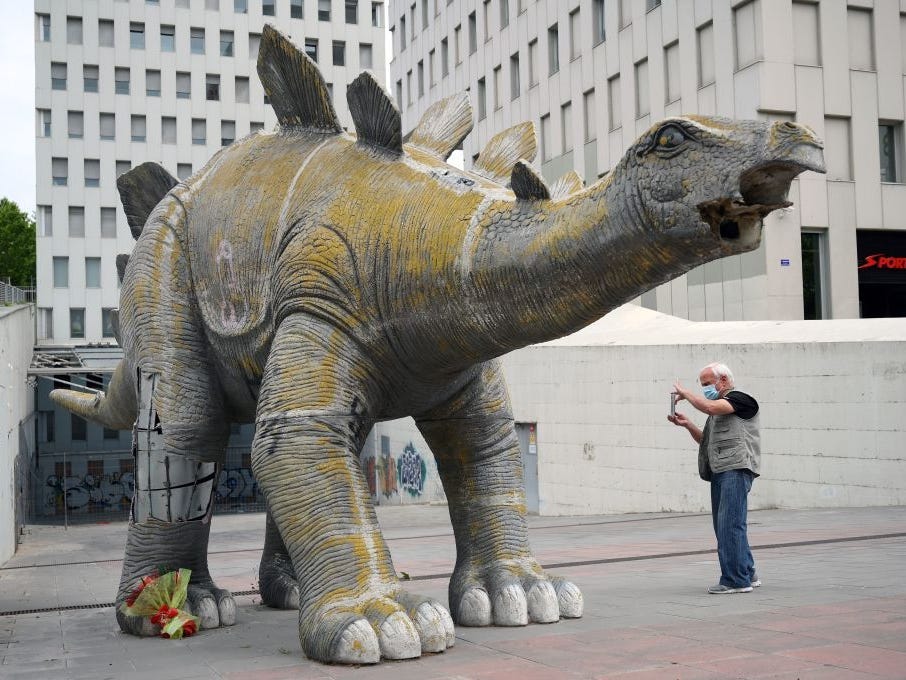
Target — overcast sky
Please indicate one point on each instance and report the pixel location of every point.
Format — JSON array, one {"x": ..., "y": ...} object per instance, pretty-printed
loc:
[{"x": 17, "y": 103}]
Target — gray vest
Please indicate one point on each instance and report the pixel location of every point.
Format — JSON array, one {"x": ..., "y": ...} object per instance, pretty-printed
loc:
[{"x": 729, "y": 443}]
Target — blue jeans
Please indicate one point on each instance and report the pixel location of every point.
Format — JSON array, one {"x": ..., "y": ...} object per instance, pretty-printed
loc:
[{"x": 729, "y": 506}]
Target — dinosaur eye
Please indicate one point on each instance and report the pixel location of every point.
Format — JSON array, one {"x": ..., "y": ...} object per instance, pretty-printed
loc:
[{"x": 670, "y": 137}]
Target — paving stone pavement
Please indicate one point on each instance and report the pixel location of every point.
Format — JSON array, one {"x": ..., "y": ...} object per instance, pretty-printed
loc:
[{"x": 833, "y": 603}]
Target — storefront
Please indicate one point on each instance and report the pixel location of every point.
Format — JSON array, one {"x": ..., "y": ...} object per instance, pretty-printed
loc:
[{"x": 882, "y": 273}]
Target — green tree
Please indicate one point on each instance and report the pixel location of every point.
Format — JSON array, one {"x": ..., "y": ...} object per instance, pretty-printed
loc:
[{"x": 17, "y": 245}]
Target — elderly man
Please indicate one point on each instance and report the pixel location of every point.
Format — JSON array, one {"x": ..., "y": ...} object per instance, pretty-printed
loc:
[{"x": 729, "y": 456}]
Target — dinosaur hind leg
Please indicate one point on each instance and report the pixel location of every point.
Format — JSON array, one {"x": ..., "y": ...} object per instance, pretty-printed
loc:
[{"x": 276, "y": 574}]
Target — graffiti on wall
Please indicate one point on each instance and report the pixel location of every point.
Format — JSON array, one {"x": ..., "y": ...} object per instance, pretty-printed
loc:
[
  {"x": 236, "y": 484},
  {"x": 387, "y": 474},
  {"x": 411, "y": 471},
  {"x": 111, "y": 492}
]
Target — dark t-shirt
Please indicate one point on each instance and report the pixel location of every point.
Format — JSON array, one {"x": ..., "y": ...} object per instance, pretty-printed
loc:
[{"x": 743, "y": 405}]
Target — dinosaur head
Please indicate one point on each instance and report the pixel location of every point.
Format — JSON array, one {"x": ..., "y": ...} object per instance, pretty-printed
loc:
[{"x": 709, "y": 182}]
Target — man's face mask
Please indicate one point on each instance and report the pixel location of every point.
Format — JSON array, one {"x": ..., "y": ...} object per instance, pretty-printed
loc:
[{"x": 710, "y": 392}]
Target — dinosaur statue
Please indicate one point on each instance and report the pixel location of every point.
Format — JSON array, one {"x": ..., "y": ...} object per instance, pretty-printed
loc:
[{"x": 315, "y": 282}]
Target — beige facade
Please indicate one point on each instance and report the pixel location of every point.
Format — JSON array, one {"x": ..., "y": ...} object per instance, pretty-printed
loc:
[
  {"x": 594, "y": 74},
  {"x": 121, "y": 82}
]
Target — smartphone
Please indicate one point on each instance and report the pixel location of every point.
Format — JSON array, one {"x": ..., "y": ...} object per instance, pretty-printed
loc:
[{"x": 673, "y": 404}]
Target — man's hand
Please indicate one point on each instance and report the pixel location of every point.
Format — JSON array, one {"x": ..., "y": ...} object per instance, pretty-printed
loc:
[{"x": 679, "y": 419}]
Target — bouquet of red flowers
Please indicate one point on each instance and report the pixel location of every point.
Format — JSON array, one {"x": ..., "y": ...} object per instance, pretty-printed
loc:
[{"x": 160, "y": 598}]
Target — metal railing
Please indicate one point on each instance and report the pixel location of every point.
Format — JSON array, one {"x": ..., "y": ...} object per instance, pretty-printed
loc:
[{"x": 11, "y": 295}]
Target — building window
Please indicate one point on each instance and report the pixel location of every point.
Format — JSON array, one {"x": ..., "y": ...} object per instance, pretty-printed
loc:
[
  {"x": 57, "y": 76},
  {"x": 45, "y": 331},
  {"x": 108, "y": 222},
  {"x": 838, "y": 149},
  {"x": 498, "y": 100},
  {"x": 254, "y": 45},
  {"x": 409, "y": 88},
  {"x": 241, "y": 6},
  {"x": 167, "y": 38},
  {"x": 107, "y": 332},
  {"x": 671, "y": 72},
  {"x": 504, "y": 13},
  {"x": 575, "y": 35},
  {"x": 553, "y": 49},
  {"x": 136, "y": 35},
  {"x": 45, "y": 220},
  {"x": 323, "y": 10},
  {"x": 105, "y": 33},
  {"x": 813, "y": 246},
  {"x": 444, "y": 58},
  {"x": 377, "y": 14},
  {"x": 625, "y": 13},
  {"x": 152, "y": 83},
  {"x": 92, "y": 272},
  {"x": 90, "y": 78},
  {"x": 651, "y": 4},
  {"x": 566, "y": 127},
  {"x": 402, "y": 33},
  {"x": 546, "y": 137},
  {"x": 184, "y": 170},
  {"x": 311, "y": 49},
  {"x": 79, "y": 426},
  {"x": 138, "y": 128},
  {"x": 642, "y": 106},
  {"x": 339, "y": 53},
  {"x": 199, "y": 131},
  {"x": 747, "y": 30},
  {"x": 168, "y": 130},
  {"x": 213, "y": 5},
  {"x": 212, "y": 87},
  {"x": 226, "y": 43},
  {"x": 473, "y": 33},
  {"x": 74, "y": 30},
  {"x": 457, "y": 44},
  {"x": 352, "y": 11},
  {"x": 227, "y": 132},
  {"x": 515, "y": 84},
  {"x": 533, "y": 63},
  {"x": 75, "y": 124},
  {"x": 425, "y": 13},
  {"x": 267, "y": 8},
  {"x": 242, "y": 90},
  {"x": 183, "y": 85},
  {"x": 44, "y": 122},
  {"x": 60, "y": 171},
  {"x": 597, "y": 22},
  {"x": 588, "y": 110},
  {"x": 399, "y": 94},
  {"x": 482, "y": 96},
  {"x": 421, "y": 78},
  {"x": 196, "y": 40},
  {"x": 705, "y": 41},
  {"x": 122, "y": 167},
  {"x": 807, "y": 45},
  {"x": 43, "y": 27},
  {"x": 77, "y": 221},
  {"x": 121, "y": 80},
  {"x": 107, "y": 125},
  {"x": 860, "y": 39},
  {"x": 486, "y": 15},
  {"x": 889, "y": 143},
  {"x": 61, "y": 272},
  {"x": 92, "y": 172},
  {"x": 365, "y": 56},
  {"x": 613, "y": 95},
  {"x": 412, "y": 23}
]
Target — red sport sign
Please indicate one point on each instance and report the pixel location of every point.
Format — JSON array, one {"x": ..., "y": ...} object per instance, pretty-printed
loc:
[{"x": 882, "y": 261}]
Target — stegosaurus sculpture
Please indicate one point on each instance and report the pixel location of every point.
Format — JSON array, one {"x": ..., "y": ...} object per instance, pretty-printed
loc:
[{"x": 315, "y": 282}]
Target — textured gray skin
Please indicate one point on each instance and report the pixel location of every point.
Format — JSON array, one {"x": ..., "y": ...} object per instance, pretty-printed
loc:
[{"x": 315, "y": 284}]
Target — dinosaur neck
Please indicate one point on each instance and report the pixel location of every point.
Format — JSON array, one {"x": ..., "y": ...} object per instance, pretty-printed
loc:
[{"x": 543, "y": 270}]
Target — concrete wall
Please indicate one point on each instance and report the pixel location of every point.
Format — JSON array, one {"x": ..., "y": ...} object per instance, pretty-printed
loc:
[
  {"x": 17, "y": 337},
  {"x": 832, "y": 397},
  {"x": 399, "y": 466}
]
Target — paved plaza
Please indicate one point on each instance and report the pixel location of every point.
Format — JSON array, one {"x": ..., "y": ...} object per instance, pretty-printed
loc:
[{"x": 833, "y": 603}]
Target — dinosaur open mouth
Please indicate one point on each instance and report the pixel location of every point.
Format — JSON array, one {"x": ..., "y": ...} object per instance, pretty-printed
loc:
[{"x": 763, "y": 189}]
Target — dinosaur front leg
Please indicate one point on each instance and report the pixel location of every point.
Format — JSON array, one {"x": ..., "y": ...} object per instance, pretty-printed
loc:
[
  {"x": 497, "y": 579},
  {"x": 312, "y": 420}
]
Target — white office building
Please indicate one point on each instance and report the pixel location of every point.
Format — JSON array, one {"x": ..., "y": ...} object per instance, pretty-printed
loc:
[
  {"x": 121, "y": 82},
  {"x": 594, "y": 74}
]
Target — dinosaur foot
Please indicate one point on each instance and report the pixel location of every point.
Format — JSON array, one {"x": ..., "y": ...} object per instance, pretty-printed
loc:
[
  {"x": 277, "y": 581},
  {"x": 154, "y": 546},
  {"x": 400, "y": 627},
  {"x": 511, "y": 594}
]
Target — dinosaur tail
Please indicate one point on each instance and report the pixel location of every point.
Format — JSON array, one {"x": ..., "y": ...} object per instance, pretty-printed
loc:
[{"x": 116, "y": 409}]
